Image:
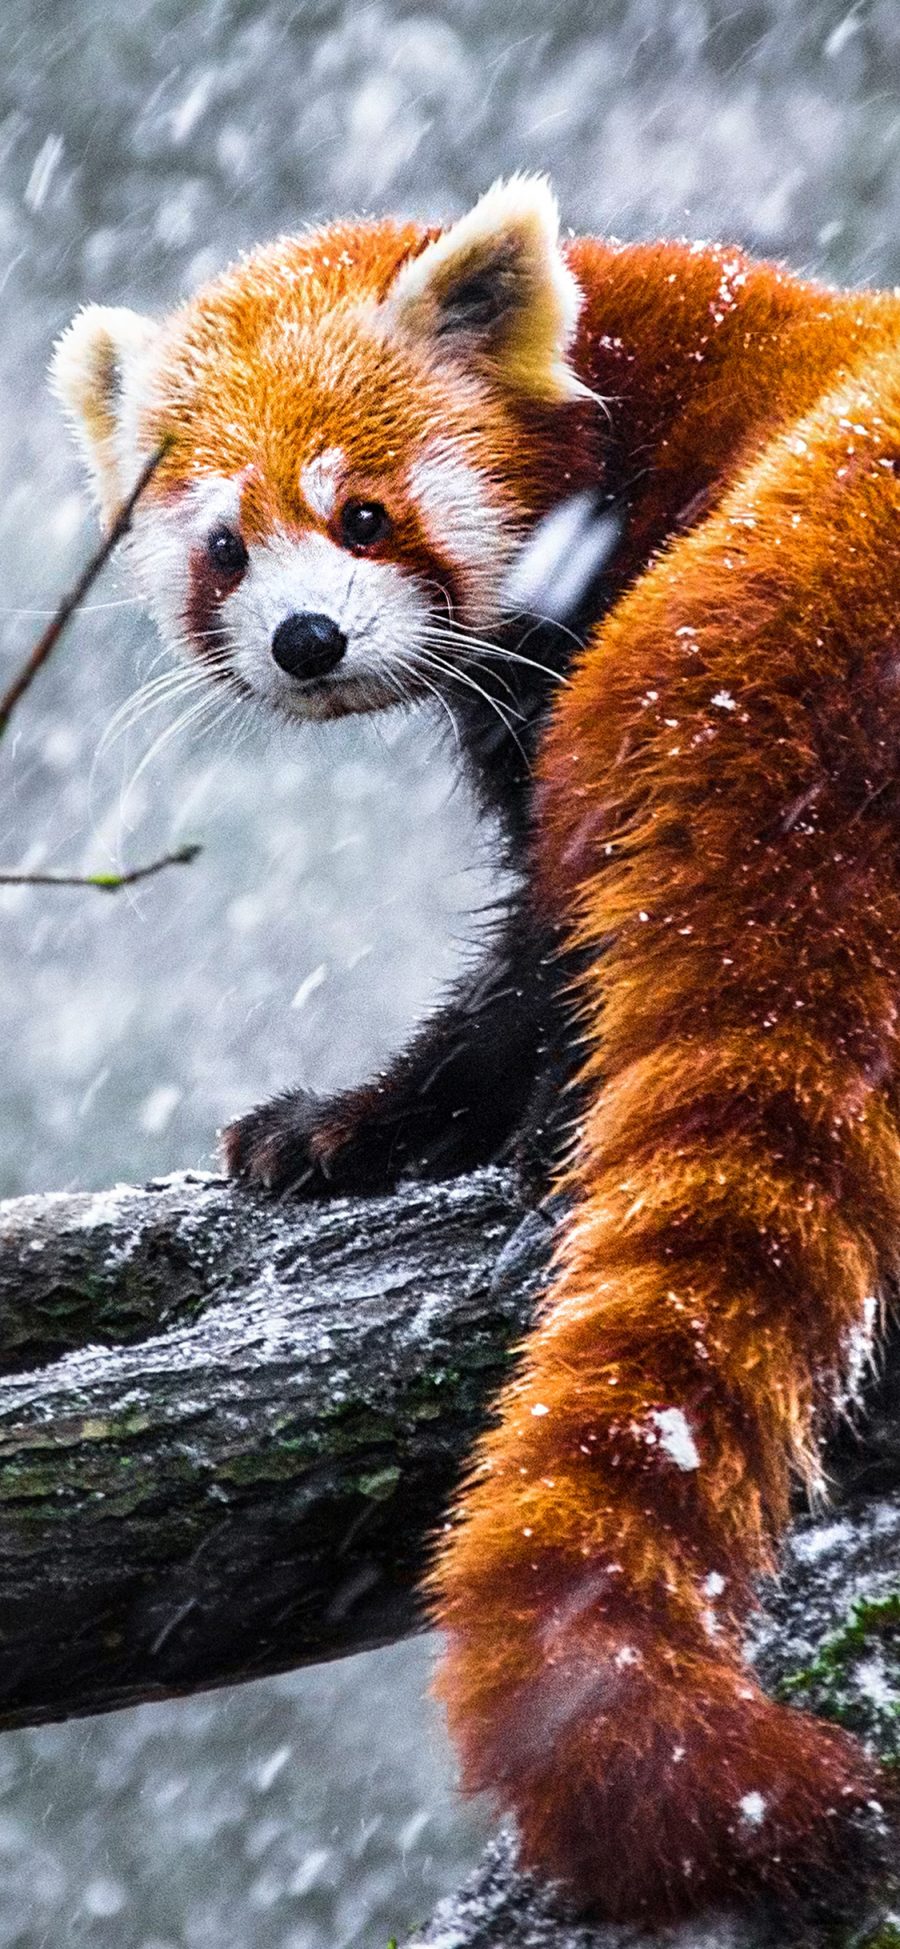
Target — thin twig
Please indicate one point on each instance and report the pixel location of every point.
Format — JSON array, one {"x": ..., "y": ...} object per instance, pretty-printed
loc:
[
  {"x": 106, "y": 882},
  {"x": 45, "y": 643}
]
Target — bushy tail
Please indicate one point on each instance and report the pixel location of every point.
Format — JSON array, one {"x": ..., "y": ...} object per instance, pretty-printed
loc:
[
  {"x": 595, "y": 1590},
  {"x": 723, "y": 783}
]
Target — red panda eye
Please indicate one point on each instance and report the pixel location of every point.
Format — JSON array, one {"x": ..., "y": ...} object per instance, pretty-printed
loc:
[
  {"x": 363, "y": 523},
  {"x": 226, "y": 551}
]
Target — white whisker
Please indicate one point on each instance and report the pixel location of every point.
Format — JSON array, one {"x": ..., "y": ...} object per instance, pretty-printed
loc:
[
  {"x": 498, "y": 652},
  {"x": 537, "y": 620},
  {"x": 465, "y": 678},
  {"x": 418, "y": 676},
  {"x": 84, "y": 608},
  {"x": 175, "y": 684},
  {"x": 188, "y": 717},
  {"x": 458, "y": 675}
]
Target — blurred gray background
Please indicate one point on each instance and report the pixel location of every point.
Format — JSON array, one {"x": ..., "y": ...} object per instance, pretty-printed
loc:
[{"x": 141, "y": 146}]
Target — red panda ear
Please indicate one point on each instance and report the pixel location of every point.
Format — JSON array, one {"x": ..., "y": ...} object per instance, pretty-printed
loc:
[
  {"x": 496, "y": 290},
  {"x": 96, "y": 372}
]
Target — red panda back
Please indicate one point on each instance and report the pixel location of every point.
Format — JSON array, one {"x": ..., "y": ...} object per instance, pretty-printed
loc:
[
  {"x": 365, "y": 423},
  {"x": 724, "y": 772}
]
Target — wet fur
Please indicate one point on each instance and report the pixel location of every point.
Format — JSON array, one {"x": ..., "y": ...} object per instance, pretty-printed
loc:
[
  {"x": 725, "y": 886},
  {"x": 725, "y": 770},
  {"x": 686, "y": 1022}
]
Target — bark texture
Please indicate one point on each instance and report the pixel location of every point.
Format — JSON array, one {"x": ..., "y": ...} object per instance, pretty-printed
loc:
[{"x": 230, "y": 1426}]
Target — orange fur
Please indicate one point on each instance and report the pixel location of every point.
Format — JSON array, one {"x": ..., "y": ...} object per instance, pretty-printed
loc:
[
  {"x": 716, "y": 835},
  {"x": 228, "y": 391},
  {"x": 725, "y": 771}
]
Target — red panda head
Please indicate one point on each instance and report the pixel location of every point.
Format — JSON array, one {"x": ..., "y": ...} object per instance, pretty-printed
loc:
[{"x": 364, "y": 423}]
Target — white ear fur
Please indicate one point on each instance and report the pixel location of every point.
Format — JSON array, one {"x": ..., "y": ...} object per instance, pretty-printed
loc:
[
  {"x": 96, "y": 373},
  {"x": 496, "y": 288}
]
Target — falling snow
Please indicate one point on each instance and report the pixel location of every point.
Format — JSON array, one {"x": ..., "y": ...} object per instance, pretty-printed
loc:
[
  {"x": 142, "y": 147},
  {"x": 752, "y": 1807},
  {"x": 675, "y": 1437}
]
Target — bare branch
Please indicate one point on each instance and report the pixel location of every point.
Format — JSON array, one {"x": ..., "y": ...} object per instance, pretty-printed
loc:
[
  {"x": 70, "y": 603},
  {"x": 242, "y": 1421},
  {"x": 105, "y": 882}
]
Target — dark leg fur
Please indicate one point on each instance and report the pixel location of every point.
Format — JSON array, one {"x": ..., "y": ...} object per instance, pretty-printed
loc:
[
  {"x": 457, "y": 1098},
  {"x": 487, "y": 1076}
]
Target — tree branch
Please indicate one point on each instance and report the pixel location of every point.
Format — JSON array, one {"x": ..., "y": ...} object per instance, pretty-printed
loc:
[
  {"x": 230, "y": 1426},
  {"x": 251, "y": 1420},
  {"x": 105, "y": 882},
  {"x": 47, "y": 641},
  {"x": 24, "y": 678}
]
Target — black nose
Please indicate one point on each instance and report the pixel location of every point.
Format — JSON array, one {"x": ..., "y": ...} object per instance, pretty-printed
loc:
[{"x": 308, "y": 646}]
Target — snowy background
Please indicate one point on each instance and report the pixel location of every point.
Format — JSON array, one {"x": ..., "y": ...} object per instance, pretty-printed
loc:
[{"x": 141, "y": 146}]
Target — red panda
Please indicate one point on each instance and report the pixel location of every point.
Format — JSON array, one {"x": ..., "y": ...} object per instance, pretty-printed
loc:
[{"x": 688, "y": 1020}]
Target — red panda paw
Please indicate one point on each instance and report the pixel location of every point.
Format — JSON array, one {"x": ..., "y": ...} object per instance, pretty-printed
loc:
[
  {"x": 649, "y": 1797},
  {"x": 284, "y": 1145},
  {"x": 308, "y": 1146}
]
